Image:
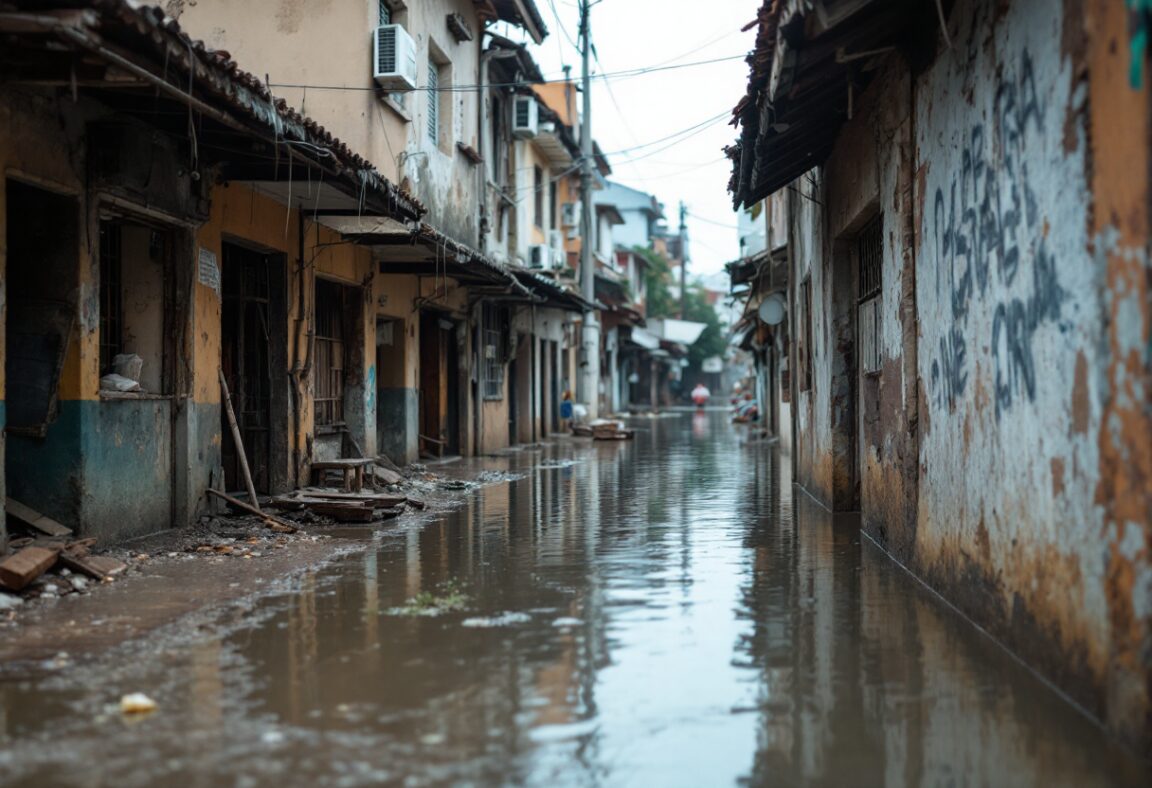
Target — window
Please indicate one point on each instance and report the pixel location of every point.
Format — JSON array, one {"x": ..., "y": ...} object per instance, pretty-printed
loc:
[
  {"x": 134, "y": 291},
  {"x": 494, "y": 338},
  {"x": 329, "y": 396},
  {"x": 385, "y": 13},
  {"x": 433, "y": 102},
  {"x": 869, "y": 259},
  {"x": 538, "y": 194},
  {"x": 111, "y": 296}
]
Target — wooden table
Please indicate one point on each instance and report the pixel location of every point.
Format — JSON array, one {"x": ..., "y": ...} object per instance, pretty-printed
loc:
[{"x": 353, "y": 471}]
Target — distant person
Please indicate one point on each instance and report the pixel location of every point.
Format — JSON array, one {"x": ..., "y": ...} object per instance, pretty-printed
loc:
[
  {"x": 700, "y": 395},
  {"x": 566, "y": 410}
]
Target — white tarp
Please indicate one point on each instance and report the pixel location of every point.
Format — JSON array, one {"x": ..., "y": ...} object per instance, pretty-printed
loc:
[
  {"x": 645, "y": 339},
  {"x": 683, "y": 332}
]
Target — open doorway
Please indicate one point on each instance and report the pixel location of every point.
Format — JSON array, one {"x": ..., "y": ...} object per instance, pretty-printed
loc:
[
  {"x": 42, "y": 445},
  {"x": 439, "y": 389},
  {"x": 253, "y": 355}
]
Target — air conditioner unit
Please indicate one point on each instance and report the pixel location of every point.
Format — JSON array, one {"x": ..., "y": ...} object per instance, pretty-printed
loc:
[
  {"x": 525, "y": 118},
  {"x": 570, "y": 214},
  {"x": 393, "y": 58},
  {"x": 540, "y": 256},
  {"x": 556, "y": 241}
]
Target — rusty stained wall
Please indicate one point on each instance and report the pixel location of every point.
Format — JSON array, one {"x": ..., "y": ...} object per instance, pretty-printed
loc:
[
  {"x": 1014, "y": 362},
  {"x": 1003, "y": 450}
]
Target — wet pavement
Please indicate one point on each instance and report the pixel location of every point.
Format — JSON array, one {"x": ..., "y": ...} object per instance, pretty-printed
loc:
[{"x": 658, "y": 612}]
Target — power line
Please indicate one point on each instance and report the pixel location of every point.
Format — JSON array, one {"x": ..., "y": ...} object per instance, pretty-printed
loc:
[
  {"x": 637, "y": 72},
  {"x": 725, "y": 225}
]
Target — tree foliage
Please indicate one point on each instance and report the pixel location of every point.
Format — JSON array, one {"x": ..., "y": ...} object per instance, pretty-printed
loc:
[{"x": 661, "y": 302}]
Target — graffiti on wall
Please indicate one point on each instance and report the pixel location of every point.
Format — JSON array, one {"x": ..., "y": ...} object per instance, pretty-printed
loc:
[{"x": 987, "y": 229}]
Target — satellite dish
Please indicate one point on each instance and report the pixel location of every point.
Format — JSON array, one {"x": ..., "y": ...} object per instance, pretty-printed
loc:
[{"x": 772, "y": 310}]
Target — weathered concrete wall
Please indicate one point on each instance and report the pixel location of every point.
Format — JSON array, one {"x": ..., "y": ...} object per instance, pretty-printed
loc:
[
  {"x": 1003, "y": 448},
  {"x": 1015, "y": 364}
]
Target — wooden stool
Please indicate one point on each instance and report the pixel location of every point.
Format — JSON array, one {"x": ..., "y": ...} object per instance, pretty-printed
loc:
[{"x": 353, "y": 471}]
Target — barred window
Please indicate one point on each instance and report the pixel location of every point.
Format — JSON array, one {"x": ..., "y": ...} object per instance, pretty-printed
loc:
[
  {"x": 869, "y": 258},
  {"x": 329, "y": 397},
  {"x": 111, "y": 296},
  {"x": 433, "y": 102},
  {"x": 385, "y": 13},
  {"x": 494, "y": 338}
]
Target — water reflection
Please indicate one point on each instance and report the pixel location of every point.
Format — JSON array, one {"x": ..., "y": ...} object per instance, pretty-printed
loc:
[{"x": 677, "y": 620}]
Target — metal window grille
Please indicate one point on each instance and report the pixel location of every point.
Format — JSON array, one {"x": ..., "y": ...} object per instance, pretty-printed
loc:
[
  {"x": 494, "y": 339},
  {"x": 385, "y": 13},
  {"x": 111, "y": 296},
  {"x": 329, "y": 395},
  {"x": 433, "y": 102},
  {"x": 870, "y": 255}
]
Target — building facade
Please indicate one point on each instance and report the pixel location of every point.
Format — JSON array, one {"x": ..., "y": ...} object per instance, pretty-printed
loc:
[{"x": 968, "y": 246}]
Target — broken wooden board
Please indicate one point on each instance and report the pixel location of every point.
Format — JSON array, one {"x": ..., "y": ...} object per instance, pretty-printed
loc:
[
  {"x": 310, "y": 502},
  {"x": 33, "y": 518},
  {"x": 21, "y": 568},
  {"x": 386, "y": 476},
  {"x": 377, "y": 499},
  {"x": 98, "y": 567}
]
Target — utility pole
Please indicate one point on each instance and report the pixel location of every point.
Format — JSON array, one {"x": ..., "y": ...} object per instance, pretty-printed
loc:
[
  {"x": 683, "y": 258},
  {"x": 590, "y": 355}
]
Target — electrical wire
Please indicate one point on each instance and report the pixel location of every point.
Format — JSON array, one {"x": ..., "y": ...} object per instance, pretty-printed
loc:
[{"x": 637, "y": 72}]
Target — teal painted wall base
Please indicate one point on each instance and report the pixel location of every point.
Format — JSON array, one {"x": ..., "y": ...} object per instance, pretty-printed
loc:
[{"x": 116, "y": 469}]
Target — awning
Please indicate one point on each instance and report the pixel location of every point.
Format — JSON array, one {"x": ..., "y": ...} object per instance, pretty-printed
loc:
[
  {"x": 644, "y": 339},
  {"x": 682, "y": 332}
]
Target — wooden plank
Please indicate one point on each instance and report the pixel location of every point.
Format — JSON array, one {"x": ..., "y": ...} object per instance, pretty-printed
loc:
[
  {"x": 21, "y": 568},
  {"x": 338, "y": 465},
  {"x": 309, "y": 502},
  {"x": 97, "y": 567},
  {"x": 380, "y": 499},
  {"x": 33, "y": 518},
  {"x": 275, "y": 523},
  {"x": 238, "y": 439}
]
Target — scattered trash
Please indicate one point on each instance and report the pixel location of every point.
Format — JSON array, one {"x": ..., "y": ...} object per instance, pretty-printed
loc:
[
  {"x": 137, "y": 703},
  {"x": 500, "y": 620},
  {"x": 114, "y": 382}
]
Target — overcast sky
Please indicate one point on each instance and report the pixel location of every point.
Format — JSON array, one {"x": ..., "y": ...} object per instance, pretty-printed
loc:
[{"x": 632, "y": 111}]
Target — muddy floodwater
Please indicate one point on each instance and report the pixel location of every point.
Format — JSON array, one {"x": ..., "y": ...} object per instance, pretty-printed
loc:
[{"x": 661, "y": 612}]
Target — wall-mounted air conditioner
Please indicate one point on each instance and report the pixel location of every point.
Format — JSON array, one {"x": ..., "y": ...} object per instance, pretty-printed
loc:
[
  {"x": 525, "y": 118},
  {"x": 393, "y": 58},
  {"x": 556, "y": 241},
  {"x": 570, "y": 214},
  {"x": 540, "y": 256}
]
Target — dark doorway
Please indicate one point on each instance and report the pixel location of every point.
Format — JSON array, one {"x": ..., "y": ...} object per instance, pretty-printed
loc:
[
  {"x": 439, "y": 395},
  {"x": 845, "y": 390},
  {"x": 42, "y": 445},
  {"x": 253, "y": 355}
]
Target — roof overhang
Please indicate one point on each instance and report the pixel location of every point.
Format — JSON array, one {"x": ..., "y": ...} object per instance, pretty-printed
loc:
[
  {"x": 522, "y": 13},
  {"x": 813, "y": 59}
]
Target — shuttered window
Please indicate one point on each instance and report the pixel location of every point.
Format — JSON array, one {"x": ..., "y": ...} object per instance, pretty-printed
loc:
[{"x": 433, "y": 102}]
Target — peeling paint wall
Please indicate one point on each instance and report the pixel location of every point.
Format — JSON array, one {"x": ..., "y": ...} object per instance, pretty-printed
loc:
[{"x": 1002, "y": 450}]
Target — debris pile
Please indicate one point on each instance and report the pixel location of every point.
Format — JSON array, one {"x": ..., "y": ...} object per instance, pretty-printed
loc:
[
  {"x": 604, "y": 430},
  {"x": 42, "y": 546}
]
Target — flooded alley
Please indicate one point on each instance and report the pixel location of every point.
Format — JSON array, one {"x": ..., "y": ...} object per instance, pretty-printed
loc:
[{"x": 664, "y": 611}]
